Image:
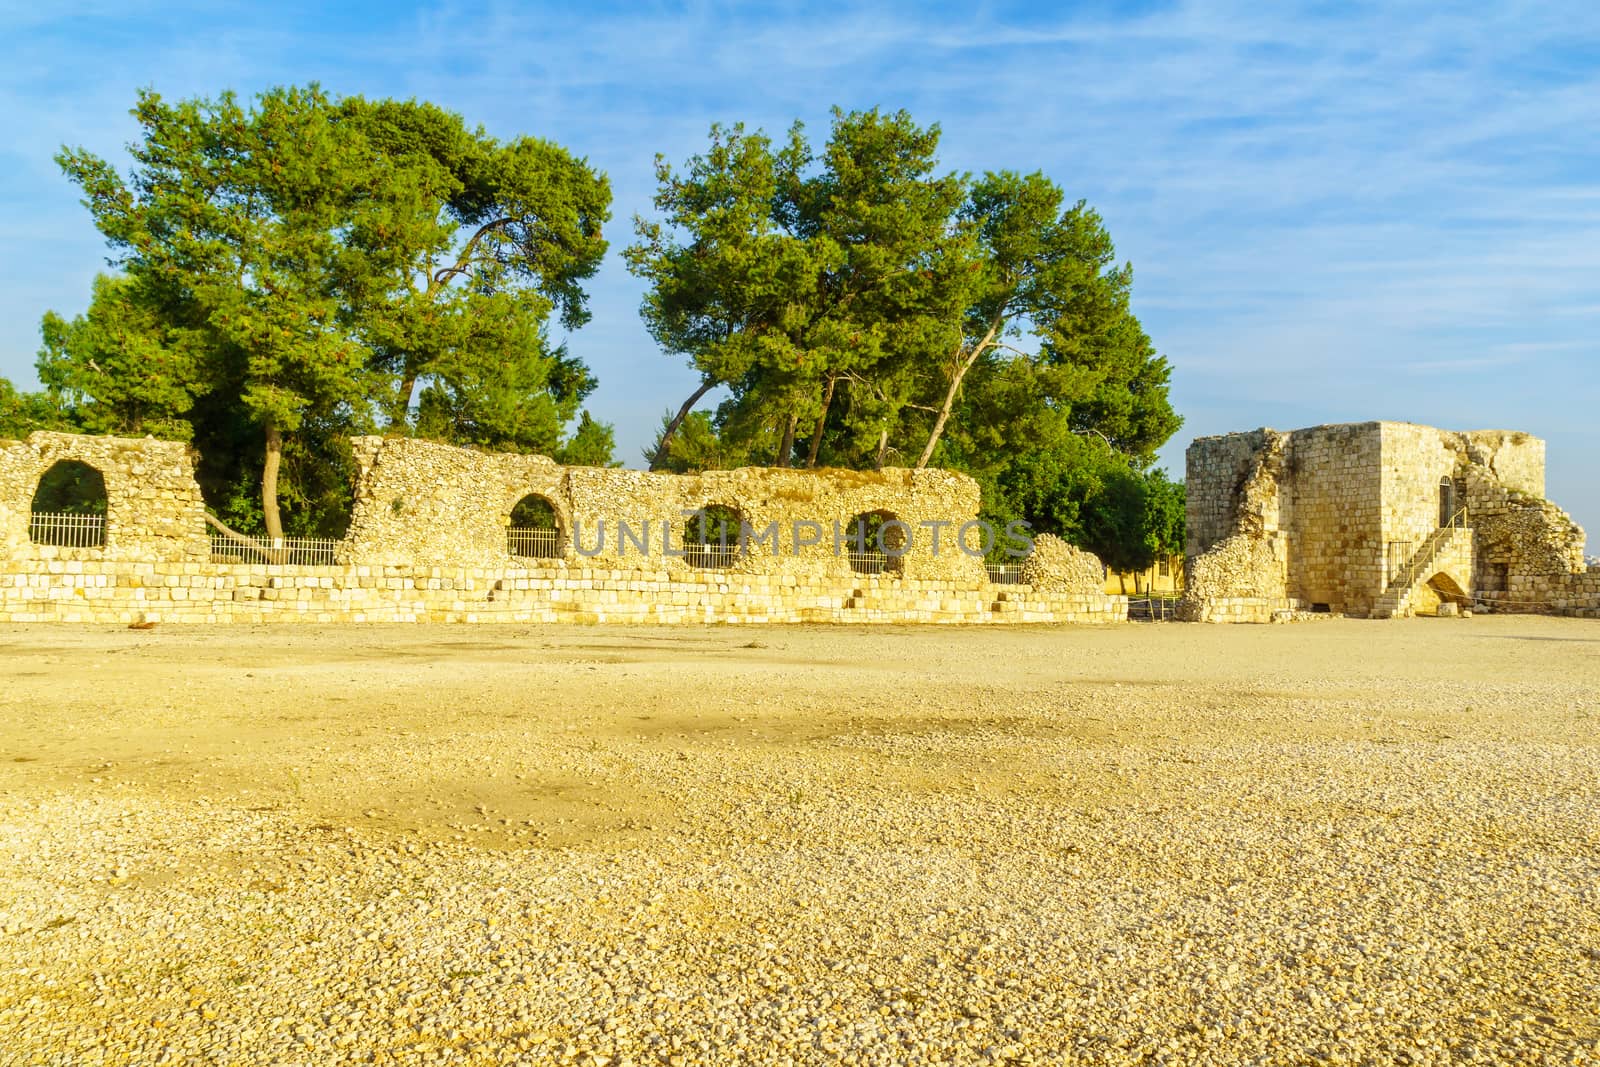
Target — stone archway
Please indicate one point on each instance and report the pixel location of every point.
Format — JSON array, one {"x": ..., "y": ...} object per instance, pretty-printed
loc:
[
  {"x": 69, "y": 505},
  {"x": 535, "y": 529},
  {"x": 1442, "y": 588},
  {"x": 877, "y": 542},
  {"x": 713, "y": 537}
]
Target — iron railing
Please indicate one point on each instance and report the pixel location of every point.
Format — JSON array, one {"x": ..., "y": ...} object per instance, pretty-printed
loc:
[
  {"x": 534, "y": 542},
  {"x": 1424, "y": 557},
  {"x": 291, "y": 551},
  {"x": 1153, "y": 607},
  {"x": 710, "y": 557},
  {"x": 67, "y": 531},
  {"x": 870, "y": 562},
  {"x": 1004, "y": 573}
]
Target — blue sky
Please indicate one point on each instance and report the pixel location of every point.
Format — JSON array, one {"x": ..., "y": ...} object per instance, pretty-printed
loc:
[{"x": 1335, "y": 212}]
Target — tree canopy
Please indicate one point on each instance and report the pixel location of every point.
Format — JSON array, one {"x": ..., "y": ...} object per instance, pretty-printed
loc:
[
  {"x": 301, "y": 268},
  {"x": 859, "y": 306},
  {"x": 298, "y": 268}
]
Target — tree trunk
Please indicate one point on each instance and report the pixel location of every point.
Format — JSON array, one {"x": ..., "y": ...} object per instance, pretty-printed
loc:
[
  {"x": 408, "y": 385},
  {"x": 955, "y": 387},
  {"x": 269, "y": 482},
  {"x": 883, "y": 449},
  {"x": 247, "y": 544},
  {"x": 816, "y": 432},
  {"x": 677, "y": 420},
  {"x": 786, "y": 449}
]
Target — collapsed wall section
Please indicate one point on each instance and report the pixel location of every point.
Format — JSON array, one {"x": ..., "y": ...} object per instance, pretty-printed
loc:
[
  {"x": 1528, "y": 551},
  {"x": 1236, "y": 560}
]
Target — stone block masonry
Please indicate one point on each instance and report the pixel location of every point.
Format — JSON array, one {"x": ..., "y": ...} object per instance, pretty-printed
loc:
[
  {"x": 428, "y": 542},
  {"x": 154, "y": 511},
  {"x": 1377, "y": 519},
  {"x": 123, "y": 593},
  {"x": 422, "y": 501}
]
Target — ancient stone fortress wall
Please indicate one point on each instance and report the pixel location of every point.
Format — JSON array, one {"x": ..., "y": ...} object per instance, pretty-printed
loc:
[
  {"x": 428, "y": 542},
  {"x": 1377, "y": 519}
]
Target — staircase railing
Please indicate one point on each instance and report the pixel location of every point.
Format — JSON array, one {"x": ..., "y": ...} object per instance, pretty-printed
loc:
[{"x": 1419, "y": 563}]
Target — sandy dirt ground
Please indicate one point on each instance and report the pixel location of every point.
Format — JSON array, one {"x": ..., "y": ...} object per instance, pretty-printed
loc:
[{"x": 1336, "y": 842}]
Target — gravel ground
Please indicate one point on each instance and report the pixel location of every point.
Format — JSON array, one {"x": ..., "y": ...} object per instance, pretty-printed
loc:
[{"x": 1340, "y": 842}]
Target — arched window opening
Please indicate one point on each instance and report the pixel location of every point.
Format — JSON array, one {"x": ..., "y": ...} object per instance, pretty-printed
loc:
[
  {"x": 535, "y": 531},
  {"x": 712, "y": 536},
  {"x": 876, "y": 542},
  {"x": 69, "y": 507}
]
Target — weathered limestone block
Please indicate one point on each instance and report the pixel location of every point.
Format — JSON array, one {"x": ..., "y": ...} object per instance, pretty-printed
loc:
[{"x": 122, "y": 592}]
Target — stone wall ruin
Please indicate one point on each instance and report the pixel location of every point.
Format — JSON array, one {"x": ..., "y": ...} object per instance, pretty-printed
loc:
[
  {"x": 428, "y": 541},
  {"x": 1377, "y": 519}
]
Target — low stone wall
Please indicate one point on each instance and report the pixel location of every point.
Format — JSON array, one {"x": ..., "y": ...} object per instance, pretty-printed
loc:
[
  {"x": 1257, "y": 609},
  {"x": 61, "y": 590},
  {"x": 1547, "y": 594}
]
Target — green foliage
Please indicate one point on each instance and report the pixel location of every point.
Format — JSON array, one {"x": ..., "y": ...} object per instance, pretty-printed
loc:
[
  {"x": 534, "y": 512},
  {"x": 118, "y": 367},
  {"x": 71, "y": 488},
  {"x": 592, "y": 444},
  {"x": 695, "y": 447},
  {"x": 297, "y": 269},
  {"x": 1083, "y": 490},
  {"x": 714, "y": 524},
  {"x": 23, "y": 413},
  {"x": 860, "y": 307},
  {"x": 1165, "y": 519},
  {"x": 796, "y": 286}
]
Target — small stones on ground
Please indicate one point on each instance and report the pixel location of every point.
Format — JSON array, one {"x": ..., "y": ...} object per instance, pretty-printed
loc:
[{"x": 1015, "y": 850}]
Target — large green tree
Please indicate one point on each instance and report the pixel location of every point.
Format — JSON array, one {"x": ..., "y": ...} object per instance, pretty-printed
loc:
[
  {"x": 297, "y": 267},
  {"x": 857, "y": 304},
  {"x": 796, "y": 280},
  {"x": 478, "y": 243}
]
